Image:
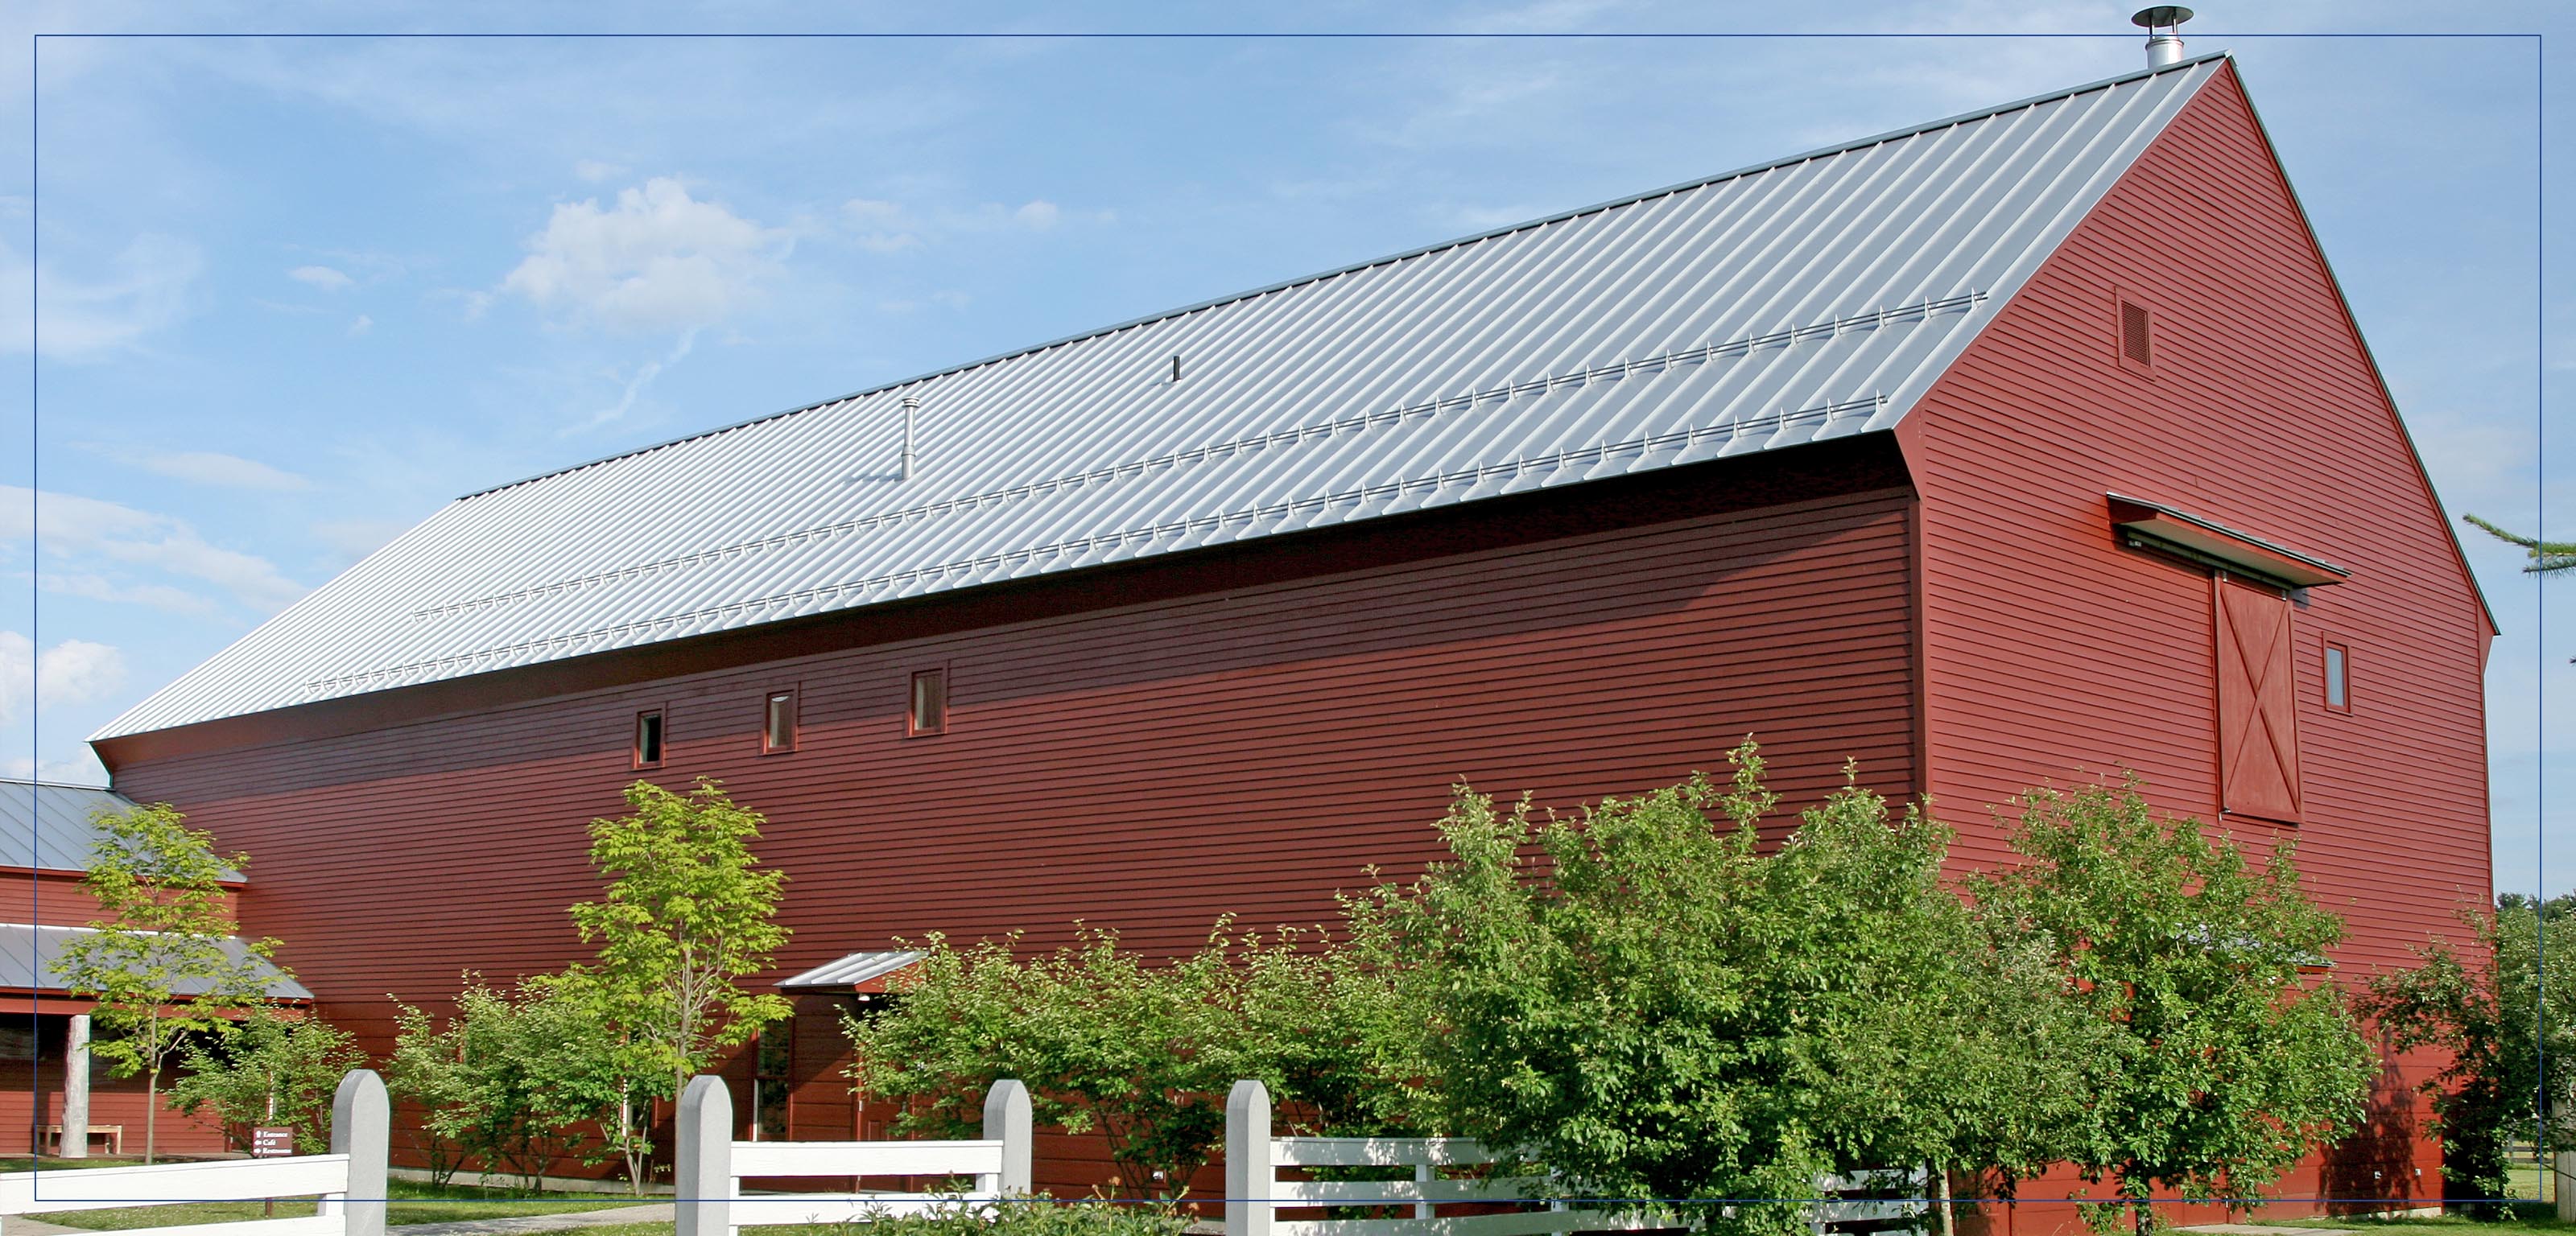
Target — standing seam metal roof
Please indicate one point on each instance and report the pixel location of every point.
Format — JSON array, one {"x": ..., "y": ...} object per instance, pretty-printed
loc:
[
  {"x": 46, "y": 825},
  {"x": 1799, "y": 300}
]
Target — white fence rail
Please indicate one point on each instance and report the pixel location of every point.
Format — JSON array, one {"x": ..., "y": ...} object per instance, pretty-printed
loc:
[
  {"x": 712, "y": 1166},
  {"x": 1254, "y": 1193},
  {"x": 350, "y": 1179}
]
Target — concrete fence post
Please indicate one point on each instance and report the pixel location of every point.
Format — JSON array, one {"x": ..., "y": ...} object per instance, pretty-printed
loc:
[
  {"x": 2564, "y": 1188},
  {"x": 1250, "y": 1173},
  {"x": 702, "y": 1165},
  {"x": 1007, "y": 1120},
  {"x": 362, "y": 1128}
]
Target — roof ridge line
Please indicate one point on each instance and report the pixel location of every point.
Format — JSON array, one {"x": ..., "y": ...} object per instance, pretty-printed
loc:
[{"x": 1840, "y": 148}]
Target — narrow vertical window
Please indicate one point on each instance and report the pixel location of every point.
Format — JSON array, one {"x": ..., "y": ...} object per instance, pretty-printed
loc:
[
  {"x": 648, "y": 739},
  {"x": 778, "y": 723},
  {"x": 929, "y": 712},
  {"x": 2338, "y": 691}
]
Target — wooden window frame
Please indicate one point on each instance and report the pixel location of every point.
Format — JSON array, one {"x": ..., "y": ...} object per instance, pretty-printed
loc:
[
  {"x": 2122, "y": 301},
  {"x": 911, "y": 691},
  {"x": 795, "y": 719},
  {"x": 661, "y": 738},
  {"x": 2326, "y": 674}
]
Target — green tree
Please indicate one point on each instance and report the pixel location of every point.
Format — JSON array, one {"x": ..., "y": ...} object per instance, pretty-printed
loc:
[
  {"x": 510, "y": 1079},
  {"x": 2479, "y": 1004},
  {"x": 2546, "y": 556},
  {"x": 1105, "y": 1041},
  {"x": 1646, "y": 1001},
  {"x": 274, "y": 1068},
  {"x": 161, "y": 960},
  {"x": 2224, "y": 1061},
  {"x": 686, "y": 915}
]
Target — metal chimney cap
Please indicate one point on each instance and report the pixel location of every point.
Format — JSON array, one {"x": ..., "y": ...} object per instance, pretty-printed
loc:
[{"x": 2160, "y": 15}]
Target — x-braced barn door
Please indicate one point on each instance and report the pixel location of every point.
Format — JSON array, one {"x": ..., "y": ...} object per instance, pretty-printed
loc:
[{"x": 2258, "y": 731}]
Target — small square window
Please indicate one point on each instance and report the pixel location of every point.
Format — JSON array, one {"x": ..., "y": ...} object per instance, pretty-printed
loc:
[
  {"x": 929, "y": 711},
  {"x": 778, "y": 723},
  {"x": 2338, "y": 686},
  {"x": 648, "y": 739}
]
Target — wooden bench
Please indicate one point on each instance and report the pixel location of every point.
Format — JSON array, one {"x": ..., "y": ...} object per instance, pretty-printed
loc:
[{"x": 114, "y": 1133}]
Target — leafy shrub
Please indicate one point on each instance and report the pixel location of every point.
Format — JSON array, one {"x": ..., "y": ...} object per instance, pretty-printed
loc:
[
  {"x": 1032, "y": 1216},
  {"x": 1139, "y": 1050}
]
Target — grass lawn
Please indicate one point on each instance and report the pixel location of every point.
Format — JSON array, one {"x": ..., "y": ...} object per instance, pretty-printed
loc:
[
  {"x": 2529, "y": 1219},
  {"x": 412, "y": 1202}
]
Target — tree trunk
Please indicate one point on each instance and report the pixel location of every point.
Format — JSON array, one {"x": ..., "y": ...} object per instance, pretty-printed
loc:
[
  {"x": 1941, "y": 1177},
  {"x": 151, "y": 1106}
]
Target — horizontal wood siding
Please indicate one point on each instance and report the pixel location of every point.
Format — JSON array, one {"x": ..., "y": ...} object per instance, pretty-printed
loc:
[
  {"x": 2055, "y": 654},
  {"x": 1148, "y": 768}
]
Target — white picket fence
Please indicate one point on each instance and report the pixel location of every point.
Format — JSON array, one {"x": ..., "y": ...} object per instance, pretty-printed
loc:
[
  {"x": 1254, "y": 1192},
  {"x": 711, "y": 1166},
  {"x": 350, "y": 1179}
]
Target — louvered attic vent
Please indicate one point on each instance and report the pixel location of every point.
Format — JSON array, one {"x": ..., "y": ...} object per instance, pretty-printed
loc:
[{"x": 2137, "y": 335}]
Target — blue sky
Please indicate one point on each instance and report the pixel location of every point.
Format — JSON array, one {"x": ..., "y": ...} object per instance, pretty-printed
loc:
[{"x": 300, "y": 291}]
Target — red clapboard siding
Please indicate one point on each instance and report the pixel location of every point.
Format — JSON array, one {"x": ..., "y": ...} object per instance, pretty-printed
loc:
[
  {"x": 1148, "y": 767},
  {"x": 2053, "y": 653}
]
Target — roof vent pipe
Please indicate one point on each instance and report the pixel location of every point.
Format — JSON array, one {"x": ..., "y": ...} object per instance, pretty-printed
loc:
[
  {"x": 2163, "y": 24},
  {"x": 911, "y": 405}
]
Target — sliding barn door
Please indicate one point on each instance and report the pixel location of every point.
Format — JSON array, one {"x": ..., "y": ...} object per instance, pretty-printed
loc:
[{"x": 2258, "y": 732}]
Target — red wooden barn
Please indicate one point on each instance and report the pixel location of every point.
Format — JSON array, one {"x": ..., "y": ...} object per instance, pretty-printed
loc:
[{"x": 2022, "y": 446}]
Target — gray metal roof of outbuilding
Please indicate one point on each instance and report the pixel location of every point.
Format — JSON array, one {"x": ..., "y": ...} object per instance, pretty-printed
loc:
[
  {"x": 46, "y": 825},
  {"x": 28, "y": 953},
  {"x": 850, "y": 971},
  {"x": 1803, "y": 299}
]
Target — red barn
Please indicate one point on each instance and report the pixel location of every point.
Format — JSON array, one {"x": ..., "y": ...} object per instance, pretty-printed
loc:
[{"x": 2021, "y": 446}]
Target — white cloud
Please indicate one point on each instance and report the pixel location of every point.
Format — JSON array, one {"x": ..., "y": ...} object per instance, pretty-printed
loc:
[
  {"x": 594, "y": 171},
  {"x": 657, "y": 259},
  {"x": 1036, "y": 216},
  {"x": 145, "y": 287},
  {"x": 361, "y": 325},
  {"x": 217, "y": 468},
  {"x": 323, "y": 277},
  {"x": 75, "y": 671},
  {"x": 94, "y": 531}
]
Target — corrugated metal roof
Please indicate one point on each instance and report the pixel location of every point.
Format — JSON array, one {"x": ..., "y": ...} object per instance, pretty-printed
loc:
[
  {"x": 1804, "y": 299},
  {"x": 851, "y": 971},
  {"x": 46, "y": 825},
  {"x": 27, "y": 956}
]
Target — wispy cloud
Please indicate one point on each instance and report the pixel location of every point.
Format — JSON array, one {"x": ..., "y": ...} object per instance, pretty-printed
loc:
[
  {"x": 361, "y": 325},
  {"x": 635, "y": 385},
  {"x": 214, "y": 468},
  {"x": 658, "y": 258},
  {"x": 95, "y": 533},
  {"x": 882, "y": 226},
  {"x": 594, "y": 171},
  {"x": 147, "y": 286},
  {"x": 327, "y": 278}
]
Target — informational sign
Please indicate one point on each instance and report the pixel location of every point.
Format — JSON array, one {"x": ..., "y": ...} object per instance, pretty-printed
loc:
[{"x": 270, "y": 1141}]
